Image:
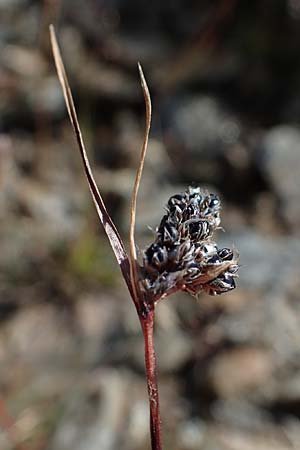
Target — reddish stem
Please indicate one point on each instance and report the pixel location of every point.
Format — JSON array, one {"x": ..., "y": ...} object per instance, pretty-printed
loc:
[{"x": 147, "y": 323}]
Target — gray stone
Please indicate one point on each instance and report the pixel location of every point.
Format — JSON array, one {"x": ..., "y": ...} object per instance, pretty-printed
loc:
[
  {"x": 198, "y": 130},
  {"x": 265, "y": 262},
  {"x": 280, "y": 161}
]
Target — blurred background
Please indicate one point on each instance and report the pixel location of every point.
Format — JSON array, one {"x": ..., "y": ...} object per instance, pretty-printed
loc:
[{"x": 225, "y": 82}]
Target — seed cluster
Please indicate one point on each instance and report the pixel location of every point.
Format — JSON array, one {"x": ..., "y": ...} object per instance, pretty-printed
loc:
[{"x": 184, "y": 255}]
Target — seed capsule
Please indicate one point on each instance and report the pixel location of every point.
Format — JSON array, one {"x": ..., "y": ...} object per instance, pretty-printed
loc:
[
  {"x": 156, "y": 257},
  {"x": 223, "y": 283},
  {"x": 177, "y": 200},
  {"x": 214, "y": 204},
  {"x": 192, "y": 273},
  {"x": 226, "y": 254},
  {"x": 190, "y": 212},
  {"x": 167, "y": 232},
  {"x": 214, "y": 260},
  {"x": 199, "y": 229}
]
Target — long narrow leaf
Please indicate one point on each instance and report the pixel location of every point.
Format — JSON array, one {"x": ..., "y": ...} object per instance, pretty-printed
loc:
[
  {"x": 109, "y": 227},
  {"x": 133, "y": 257}
]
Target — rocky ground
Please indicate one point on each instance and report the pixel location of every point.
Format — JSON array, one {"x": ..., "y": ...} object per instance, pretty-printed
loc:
[{"x": 225, "y": 82}]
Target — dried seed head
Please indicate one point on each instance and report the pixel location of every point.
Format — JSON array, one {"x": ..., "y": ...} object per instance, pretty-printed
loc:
[{"x": 184, "y": 255}]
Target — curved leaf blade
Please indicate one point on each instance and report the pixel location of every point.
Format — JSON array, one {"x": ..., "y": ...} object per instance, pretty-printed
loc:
[{"x": 108, "y": 225}]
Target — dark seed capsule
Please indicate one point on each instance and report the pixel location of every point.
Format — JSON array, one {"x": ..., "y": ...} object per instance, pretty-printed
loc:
[
  {"x": 181, "y": 254},
  {"x": 199, "y": 229},
  {"x": 204, "y": 206},
  {"x": 173, "y": 253},
  {"x": 192, "y": 273},
  {"x": 228, "y": 282},
  {"x": 221, "y": 284},
  {"x": 175, "y": 213},
  {"x": 226, "y": 254},
  {"x": 233, "y": 269},
  {"x": 190, "y": 212},
  {"x": 164, "y": 283},
  {"x": 167, "y": 233},
  {"x": 215, "y": 259},
  {"x": 214, "y": 203},
  {"x": 203, "y": 250},
  {"x": 156, "y": 256},
  {"x": 186, "y": 251},
  {"x": 178, "y": 199},
  {"x": 170, "y": 218}
]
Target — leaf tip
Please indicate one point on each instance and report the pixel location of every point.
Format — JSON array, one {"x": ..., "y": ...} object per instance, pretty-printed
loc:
[
  {"x": 142, "y": 77},
  {"x": 52, "y": 32}
]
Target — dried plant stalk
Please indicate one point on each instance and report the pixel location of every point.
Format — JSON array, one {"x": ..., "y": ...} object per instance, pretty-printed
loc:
[
  {"x": 128, "y": 266},
  {"x": 184, "y": 255},
  {"x": 152, "y": 385}
]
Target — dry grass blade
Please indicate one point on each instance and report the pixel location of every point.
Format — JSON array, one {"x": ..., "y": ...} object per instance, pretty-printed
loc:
[
  {"x": 109, "y": 227},
  {"x": 133, "y": 257}
]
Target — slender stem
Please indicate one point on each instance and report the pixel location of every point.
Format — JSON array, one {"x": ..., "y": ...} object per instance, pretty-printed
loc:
[{"x": 151, "y": 373}]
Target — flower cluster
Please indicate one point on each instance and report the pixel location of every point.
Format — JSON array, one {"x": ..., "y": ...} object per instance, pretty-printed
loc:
[{"x": 184, "y": 255}]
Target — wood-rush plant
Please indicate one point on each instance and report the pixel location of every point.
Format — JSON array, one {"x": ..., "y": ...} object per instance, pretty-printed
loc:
[{"x": 182, "y": 257}]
